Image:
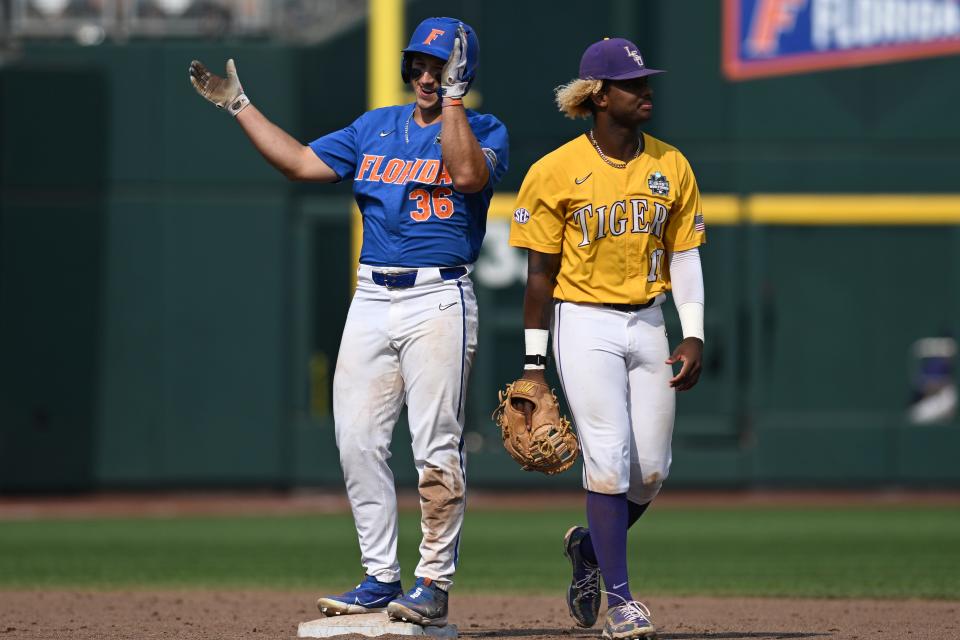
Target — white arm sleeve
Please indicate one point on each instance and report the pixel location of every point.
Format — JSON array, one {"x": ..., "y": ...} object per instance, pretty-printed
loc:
[{"x": 686, "y": 278}]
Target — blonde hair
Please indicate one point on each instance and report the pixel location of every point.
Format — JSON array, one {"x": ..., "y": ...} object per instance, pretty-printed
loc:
[{"x": 572, "y": 97}]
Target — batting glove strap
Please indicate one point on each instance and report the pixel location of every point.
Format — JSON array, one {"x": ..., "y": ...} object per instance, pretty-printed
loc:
[
  {"x": 457, "y": 90},
  {"x": 238, "y": 104}
]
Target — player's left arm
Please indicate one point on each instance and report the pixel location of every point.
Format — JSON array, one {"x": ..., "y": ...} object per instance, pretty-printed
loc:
[
  {"x": 686, "y": 277},
  {"x": 462, "y": 156},
  {"x": 685, "y": 234}
]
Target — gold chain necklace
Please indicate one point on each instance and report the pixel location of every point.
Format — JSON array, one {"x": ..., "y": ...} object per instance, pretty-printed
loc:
[{"x": 616, "y": 164}]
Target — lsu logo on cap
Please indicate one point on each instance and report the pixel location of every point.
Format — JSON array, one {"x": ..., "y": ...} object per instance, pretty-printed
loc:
[
  {"x": 521, "y": 215},
  {"x": 633, "y": 53},
  {"x": 434, "y": 34},
  {"x": 658, "y": 183}
]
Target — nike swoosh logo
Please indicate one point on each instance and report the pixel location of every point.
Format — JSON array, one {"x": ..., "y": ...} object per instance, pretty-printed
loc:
[
  {"x": 446, "y": 306},
  {"x": 384, "y": 134},
  {"x": 372, "y": 602},
  {"x": 577, "y": 180},
  {"x": 616, "y": 586}
]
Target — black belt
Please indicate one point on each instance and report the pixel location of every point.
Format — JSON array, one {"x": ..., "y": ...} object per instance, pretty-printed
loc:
[
  {"x": 630, "y": 308},
  {"x": 406, "y": 279}
]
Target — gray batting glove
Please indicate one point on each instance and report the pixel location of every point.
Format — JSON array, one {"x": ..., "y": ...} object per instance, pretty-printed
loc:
[
  {"x": 452, "y": 84},
  {"x": 226, "y": 93}
]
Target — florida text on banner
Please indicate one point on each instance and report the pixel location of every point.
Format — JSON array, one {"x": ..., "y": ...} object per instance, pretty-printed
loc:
[{"x": 780, "y": 37}]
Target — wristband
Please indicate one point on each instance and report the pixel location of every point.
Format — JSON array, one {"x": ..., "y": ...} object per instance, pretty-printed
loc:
[
  {"x": 536, "y": 348},
  {"x": 452, "y": 102},
  {"x": 237, "y": 104},
  {"x": 535, "y": 362}
]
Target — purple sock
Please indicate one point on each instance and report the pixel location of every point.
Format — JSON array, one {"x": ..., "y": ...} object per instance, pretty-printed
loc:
[
  {"x": 608, "y": 517},
  {"x": 634, "y": 512}
]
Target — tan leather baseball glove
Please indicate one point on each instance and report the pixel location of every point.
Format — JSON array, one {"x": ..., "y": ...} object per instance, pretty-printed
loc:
[{"x": 548, "y": 443}]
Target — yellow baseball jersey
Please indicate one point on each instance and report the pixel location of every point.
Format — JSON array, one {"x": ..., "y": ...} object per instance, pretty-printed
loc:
[{"x": 614, "y": 227}]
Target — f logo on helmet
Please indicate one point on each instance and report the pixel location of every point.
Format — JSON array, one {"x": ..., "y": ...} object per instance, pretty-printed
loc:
[
  {"x": 434, "y": 34},
  {"x": 436, "y": 37}
]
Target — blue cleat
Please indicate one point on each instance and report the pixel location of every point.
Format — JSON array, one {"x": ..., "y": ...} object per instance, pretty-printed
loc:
[
  {"x": 583, "y": 595},
  {"x": 370, "y": 596},
  {"x": 629, "y": 620},
  {"x": 425, "y": 604}
]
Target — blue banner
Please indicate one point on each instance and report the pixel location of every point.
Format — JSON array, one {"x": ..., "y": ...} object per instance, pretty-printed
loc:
[{"x": 780, "y": 37}]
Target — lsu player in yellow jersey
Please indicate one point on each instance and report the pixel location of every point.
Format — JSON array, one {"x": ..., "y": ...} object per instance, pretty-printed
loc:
[{"x": 612, "y": 221}]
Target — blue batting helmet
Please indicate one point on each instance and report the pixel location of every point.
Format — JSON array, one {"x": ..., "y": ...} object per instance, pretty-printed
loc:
[{"x": 435, "y": 37}]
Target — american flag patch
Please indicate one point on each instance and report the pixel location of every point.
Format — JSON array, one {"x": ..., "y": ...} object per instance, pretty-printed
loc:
[{"x": 698, "y": 223}]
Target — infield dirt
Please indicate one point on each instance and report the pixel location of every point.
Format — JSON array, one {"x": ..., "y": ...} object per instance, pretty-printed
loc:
[
  {"x": 267, "y": 615},
  {"x": 140, "y": 614}
]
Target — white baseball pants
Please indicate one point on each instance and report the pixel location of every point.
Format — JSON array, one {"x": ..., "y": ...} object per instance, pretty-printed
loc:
[
  {"x": 617, "y": 385},
  {"x": 413, "y": 345}
]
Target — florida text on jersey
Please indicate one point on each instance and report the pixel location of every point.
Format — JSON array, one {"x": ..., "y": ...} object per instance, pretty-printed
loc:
[{"x": 412, "y": 215}]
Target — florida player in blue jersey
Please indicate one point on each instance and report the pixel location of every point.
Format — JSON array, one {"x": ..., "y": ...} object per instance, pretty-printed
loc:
[{"x": 423, "y": 175}]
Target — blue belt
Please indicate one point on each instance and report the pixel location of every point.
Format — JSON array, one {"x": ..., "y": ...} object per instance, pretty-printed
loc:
[{"x": 406, "y": 279}]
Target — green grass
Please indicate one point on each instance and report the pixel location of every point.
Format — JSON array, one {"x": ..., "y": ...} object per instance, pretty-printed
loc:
[{"x": 853, "y": 552}]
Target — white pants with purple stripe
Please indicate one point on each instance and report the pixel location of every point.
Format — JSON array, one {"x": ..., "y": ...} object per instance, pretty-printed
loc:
[
  {"x": 617, "y": 385},
  {"x": 411, "y": 345}
]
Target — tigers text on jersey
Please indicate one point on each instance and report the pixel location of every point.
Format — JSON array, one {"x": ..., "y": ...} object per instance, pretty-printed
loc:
[
  {"x": 412, "y": 215},
  {"x": 613, "y": 226}
]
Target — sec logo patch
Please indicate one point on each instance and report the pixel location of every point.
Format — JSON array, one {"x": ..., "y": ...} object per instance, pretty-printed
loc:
[{"x": 521, "y": 215}]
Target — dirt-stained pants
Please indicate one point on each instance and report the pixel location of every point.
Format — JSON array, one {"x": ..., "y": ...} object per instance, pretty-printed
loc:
[{"x": 412, "y": 345}]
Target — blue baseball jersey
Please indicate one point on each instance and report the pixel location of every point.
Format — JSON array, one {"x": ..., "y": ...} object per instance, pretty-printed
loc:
[{"x": 412, "y": 215}]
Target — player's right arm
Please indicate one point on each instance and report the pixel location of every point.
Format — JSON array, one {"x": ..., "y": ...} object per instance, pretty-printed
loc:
[
  {"x": 542, "y": 270},
  {"x": 537, "y": 226},
  {"x": 294, "y": 160}
]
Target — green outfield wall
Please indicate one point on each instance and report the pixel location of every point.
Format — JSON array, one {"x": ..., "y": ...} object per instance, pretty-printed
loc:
[{"x": 171, "y": 308}]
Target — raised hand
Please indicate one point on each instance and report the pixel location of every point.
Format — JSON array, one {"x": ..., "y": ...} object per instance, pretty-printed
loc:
[
  {"x": 226, "y": 93},
  {"x": 452, "y": 83}
]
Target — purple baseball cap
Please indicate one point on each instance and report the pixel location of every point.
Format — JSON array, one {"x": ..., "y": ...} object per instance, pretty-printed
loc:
[{"x": 614, "y": 59}]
